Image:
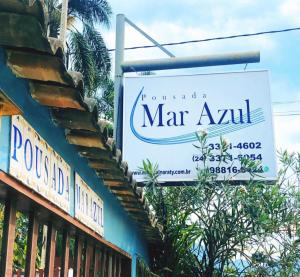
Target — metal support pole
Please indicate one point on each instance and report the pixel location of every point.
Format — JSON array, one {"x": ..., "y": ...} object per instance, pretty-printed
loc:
[
  {"x": 150, "y": 38},
  {"x": 122, "y": 67},
  {"x": 118, "y": 98},
  {"x": 63, "y": 21},
  {"x": 189, "y": 62}
]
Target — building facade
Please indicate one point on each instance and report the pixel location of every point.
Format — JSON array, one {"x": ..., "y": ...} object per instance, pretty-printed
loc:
[{"x": 58, "y": 165}]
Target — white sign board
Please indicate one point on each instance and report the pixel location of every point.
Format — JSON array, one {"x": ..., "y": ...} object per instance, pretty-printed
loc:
[
  {"x": 37, "y": 165},
  {"x": 161, "y": 116},
  {"x": 88, "y": 206}
]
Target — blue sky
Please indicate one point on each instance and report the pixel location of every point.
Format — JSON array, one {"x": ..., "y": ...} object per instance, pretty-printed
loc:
[{"x": 178, "y": 20}]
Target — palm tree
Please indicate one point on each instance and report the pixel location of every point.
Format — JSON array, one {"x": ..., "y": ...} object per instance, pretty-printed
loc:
[
  {"x": 106, "y": 102},
  {"x": 87, "y": 51}
]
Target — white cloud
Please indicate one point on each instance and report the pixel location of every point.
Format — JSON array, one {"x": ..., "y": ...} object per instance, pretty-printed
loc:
[
  {"x": 290, "y": 10},
  {"x": 287, "y": 137}
]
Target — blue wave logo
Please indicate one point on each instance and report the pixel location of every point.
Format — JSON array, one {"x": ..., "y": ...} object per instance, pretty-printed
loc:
[{"x": 257, "y": 116}]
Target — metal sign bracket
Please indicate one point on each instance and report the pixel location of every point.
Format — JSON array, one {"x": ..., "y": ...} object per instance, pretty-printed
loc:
[{"x": 172, "y": 62}]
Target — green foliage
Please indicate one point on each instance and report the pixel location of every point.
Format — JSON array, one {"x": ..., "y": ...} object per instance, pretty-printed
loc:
[
  {"x": 20, "y": 245},
  {"x": 99, "y": 50},
  {"x": 54, "y": 17},
  {"x": 142, "y": 270},
  {"x": 218, "y": 228},
  {"x": 151, "y": 181},
  {"x": 106, "y": 101},
  {"x": 87, "y": 51},
  {"x": 84, "y": 62},
  {"x": 91, "y": 11}
]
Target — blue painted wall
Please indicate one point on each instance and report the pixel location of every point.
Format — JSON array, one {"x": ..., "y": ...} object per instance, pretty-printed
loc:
[
  {"x": 4, "y": 141},
  {"x": 119, "y": 228}
]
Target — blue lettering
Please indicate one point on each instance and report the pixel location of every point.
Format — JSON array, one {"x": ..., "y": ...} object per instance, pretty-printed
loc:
[
  {"x": 91, "y": 207},
  {"x": 240, "y": 117},
  {"x": 206, "y": 112},
  {"x": 28, "y": 142},
  {"x": 94, "y": 213},
  {"x": 82, "y": 201},
  {"x": 60, "y": 181},
  {"x": 223, "y": 116},
  {"x": 46, "y": 170},
  {"x": 54, "y": 177},
  {"x": 99, "y": 216},
  {"x": 86, "y": 204},
  {"x": 150, "y": 118},
  {"x": 37, "y": 151},
  {"x": 248, "y": 111},
  {"x": 172, "y": 120},
  {"x": 17, "y": 141},
  {"x": 78, "y": 196},
  {"x": 67, "y": 189}
]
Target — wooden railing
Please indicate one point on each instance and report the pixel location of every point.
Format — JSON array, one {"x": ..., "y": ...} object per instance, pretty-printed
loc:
[{"x": 91, "y": 254}]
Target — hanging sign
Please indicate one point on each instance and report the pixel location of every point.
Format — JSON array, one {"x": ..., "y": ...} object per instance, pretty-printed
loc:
[
  {"x": 88, "y": 206},
  {"x": 37, "y": 165},
  {"x": 163, "y": 115}
]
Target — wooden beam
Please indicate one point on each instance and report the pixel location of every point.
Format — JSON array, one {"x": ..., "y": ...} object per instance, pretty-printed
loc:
[
  {"x": 96, "y": 262},
  {"x": 7, "y": 107},
  {"x": 103, "y": 264},
  {"x": 31, "y": 196},
  {"x": 131, "y": 205},
  {"x": 114, "y": 183},
  {"x": 65, "y": 254},
  {"x": 126, "y": 268},
  {"x": 127, "y": 198},
  {"x": 50, "y": 252},
  {"x": 121, "y": 193},
  {"x": 119, "y": 272},
  {"x": 102, "y": 165},
  {"x": 117, "y": 264},
  {"x": 130, "y": 200},
  {"x": 112, "y": 177},
  {"x": 113, "y": 171},
  {"x": 109, "y": 263},
  {"x": 125, "y": 187},
  {"x": 94, "y": 153},
  {"x": 114, "y": 264},
  {"x": 32, "y": 237},
  {"x": 87, "y": 259},
  {"x": 77, "y": 256},
  {"x": 111, "y": 166},
  {"x": 8, "y": 238},
  {"x": 100, "y": 260},
  {"x": 134, "y": 209}
]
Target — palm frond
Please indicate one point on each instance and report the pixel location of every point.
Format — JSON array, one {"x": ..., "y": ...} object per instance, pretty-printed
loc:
[
  {"x": 54, "y": 17},
  {"x": 83, "y": 61},
  {"x": 91, "y": 11},
  {"x": 106, "y": 101},
  {"x": 89, "y": 54},
  {"x": 54, "y": 24},
  {"x": 98, "y": 47}
]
